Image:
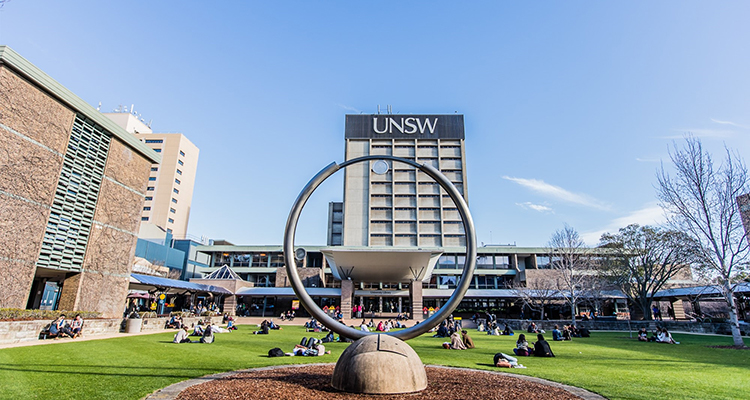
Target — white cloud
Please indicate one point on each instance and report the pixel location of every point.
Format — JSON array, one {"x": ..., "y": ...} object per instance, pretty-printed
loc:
[
  {"x": 649, "y": 215},
  {"x": 350, "y": 108},
  {"x": 729, "y": 123},
  {"x": 701, "y": 133},
  {"x": 559, "y": 193},
  {"x": 536, "y": 207}
]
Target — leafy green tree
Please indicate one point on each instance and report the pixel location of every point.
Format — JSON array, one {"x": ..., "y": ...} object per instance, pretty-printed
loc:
[{"x": 642, "y": 259}]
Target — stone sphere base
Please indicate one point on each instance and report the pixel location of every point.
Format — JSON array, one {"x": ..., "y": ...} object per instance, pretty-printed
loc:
[{"x": 379, "y": 364}]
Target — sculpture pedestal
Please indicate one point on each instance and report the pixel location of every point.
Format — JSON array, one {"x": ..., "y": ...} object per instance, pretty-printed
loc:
[{"x": 379, "y": 364}]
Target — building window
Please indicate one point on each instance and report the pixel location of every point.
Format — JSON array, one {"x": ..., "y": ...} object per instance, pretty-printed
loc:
[
  {"x": 169, "y": 230},
  {"x": 172, "y": 210},
  {"x": 149, "y": 198},
  {"x": 171, "y": 221},
  {"x": 146, "y": 208},
  {"x": 182, "y": 153},
  {"x": 177, "y": 181},
  {"x": 154, "y": 140},
  {"x": 177, "y": 191},
  {"x": 157, "y": 150},
  {"x": 180, "y": 162},
  {"x": 150, "y": 189},
  {"x": 154, "y": 169},
  {"x": 144, "y": 218},
  {"x": 174, "y": 200},
  {"x": 179, "y": 172},
  {"x": 152, "y": 178}
]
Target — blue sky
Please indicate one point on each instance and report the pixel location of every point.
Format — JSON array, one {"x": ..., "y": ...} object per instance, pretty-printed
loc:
[{"x": 569, "y": 106}]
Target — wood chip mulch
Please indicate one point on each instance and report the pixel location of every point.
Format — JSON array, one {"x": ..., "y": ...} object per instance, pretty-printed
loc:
[{"x": 314, "y": 382}]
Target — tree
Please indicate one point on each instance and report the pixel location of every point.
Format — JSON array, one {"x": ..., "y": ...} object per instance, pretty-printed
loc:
[
  {"x": 642, "y": 259},
  {"x": 572, "y": 262},
  {"x": 700, "y": 201},
  {"x": 538, "y": 293}
]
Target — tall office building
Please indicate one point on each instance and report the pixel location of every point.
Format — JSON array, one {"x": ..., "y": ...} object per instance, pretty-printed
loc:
[
  {"x": 170, "y": 184},
  {"x": 392, "y": 204}
]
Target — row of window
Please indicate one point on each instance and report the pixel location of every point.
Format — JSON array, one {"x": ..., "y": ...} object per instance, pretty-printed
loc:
[{"x": 171, "y": 221}]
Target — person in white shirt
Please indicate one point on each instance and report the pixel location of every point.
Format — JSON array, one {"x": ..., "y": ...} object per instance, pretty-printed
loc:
[
  {"x": 182, "y": 336},
  {"x": 363, "y": 327}
]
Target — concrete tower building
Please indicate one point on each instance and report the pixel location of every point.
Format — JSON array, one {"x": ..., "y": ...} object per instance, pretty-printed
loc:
[
  {"x": 170, "y": 184},
  {"x": 392, "y": 204}
]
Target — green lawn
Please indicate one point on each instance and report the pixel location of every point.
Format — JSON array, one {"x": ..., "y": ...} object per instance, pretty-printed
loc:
[{"x": 609, "y": 363}]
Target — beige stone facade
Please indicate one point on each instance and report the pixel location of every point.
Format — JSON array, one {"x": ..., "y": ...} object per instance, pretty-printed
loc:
[
  {"x": 170, "y": 183},
  {"x": 37, "y": 158}
]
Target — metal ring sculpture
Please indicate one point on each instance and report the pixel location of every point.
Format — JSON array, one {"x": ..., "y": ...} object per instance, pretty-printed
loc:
[{"x": 418, "y": 329}]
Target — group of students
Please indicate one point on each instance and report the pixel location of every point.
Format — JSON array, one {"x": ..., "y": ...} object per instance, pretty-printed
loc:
[
  {"x": 459, "y": 341},
  {"x": 203, "y": 329},
  {"x": 60, "y": 327},
  {"x": 540, "y": 348},
  {"x": 660, "y": 335},
  {"x": 265, "y": 327}
]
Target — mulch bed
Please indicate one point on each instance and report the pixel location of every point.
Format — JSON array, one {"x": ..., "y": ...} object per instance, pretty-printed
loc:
[{"x": 314, "y": 382}]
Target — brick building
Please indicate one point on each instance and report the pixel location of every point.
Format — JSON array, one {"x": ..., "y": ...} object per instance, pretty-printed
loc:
[{"x": 72, "y": 187}]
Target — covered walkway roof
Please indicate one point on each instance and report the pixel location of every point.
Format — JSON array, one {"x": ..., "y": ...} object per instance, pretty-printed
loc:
[
  {"x": 146, "y": 282},
  {"x": 698, "y": 291},
  {"x": 287, "y": 291}
]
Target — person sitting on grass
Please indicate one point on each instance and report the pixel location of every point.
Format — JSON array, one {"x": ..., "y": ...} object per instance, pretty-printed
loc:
[
  {"x": 665, "y": 337},
  {"x": 199, "y": 328},
  {"x": 467, "y": 339},
  {"x": 230, "y": 324},
  {"x": 182, "y": 336},
  {"x": 456, "y": 342},
  {"x": 541, "y": 347},
  {"x": 263, "y": 328},
  {"x": 442, "y": 330},
  {"x": 507, "y": 331},
  {"x": 522, "y": 346},
  {"x": 208, "y": 335},
  {"x": 643, "y": 335},
  {"x": 556, "y": 334},
  {"x": 566, "y": 334},
  {"x": 76, "y": 326}
]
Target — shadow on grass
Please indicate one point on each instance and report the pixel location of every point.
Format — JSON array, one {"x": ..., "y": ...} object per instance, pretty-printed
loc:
[{"x": 146, "y": 372}]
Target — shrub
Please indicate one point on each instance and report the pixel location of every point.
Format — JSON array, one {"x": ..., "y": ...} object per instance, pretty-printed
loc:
[{"x": 18, "y": 314}]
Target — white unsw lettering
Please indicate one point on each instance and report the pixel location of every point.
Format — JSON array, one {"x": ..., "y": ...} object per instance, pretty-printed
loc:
[{"x": 405, "y": 125}]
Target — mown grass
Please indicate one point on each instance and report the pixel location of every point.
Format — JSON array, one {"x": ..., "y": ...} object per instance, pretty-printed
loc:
[{"x": 608, "y": 363}]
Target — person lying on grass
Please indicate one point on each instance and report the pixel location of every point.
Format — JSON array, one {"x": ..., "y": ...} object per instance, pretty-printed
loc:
[{"x": 309, "y": 347}]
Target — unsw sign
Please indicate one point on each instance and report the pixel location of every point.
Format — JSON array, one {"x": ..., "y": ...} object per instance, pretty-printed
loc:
[{"x": 395, "y": 126}]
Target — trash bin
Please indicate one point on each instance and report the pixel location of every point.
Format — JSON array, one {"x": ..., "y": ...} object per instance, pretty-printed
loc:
[{"x": 133, "y": 325}]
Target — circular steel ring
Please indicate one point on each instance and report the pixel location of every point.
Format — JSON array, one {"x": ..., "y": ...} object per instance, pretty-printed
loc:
[{"x": 418, "y": 329}]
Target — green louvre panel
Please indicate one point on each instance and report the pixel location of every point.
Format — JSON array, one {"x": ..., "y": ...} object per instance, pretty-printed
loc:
[{"x": 72, "y": 210}]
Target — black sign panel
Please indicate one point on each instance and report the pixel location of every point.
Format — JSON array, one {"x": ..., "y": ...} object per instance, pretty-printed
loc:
[{"x": 396, "y": 126}]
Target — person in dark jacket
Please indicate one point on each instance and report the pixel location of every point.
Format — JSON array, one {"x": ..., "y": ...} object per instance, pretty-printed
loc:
[{"x": 541, "y": 347}]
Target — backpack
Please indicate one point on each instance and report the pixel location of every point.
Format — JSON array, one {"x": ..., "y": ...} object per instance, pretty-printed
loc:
[{"x": 276, "y": 352}]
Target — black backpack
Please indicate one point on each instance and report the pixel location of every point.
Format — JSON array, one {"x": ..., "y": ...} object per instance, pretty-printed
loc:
[{"x": 276, "y": 352}]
